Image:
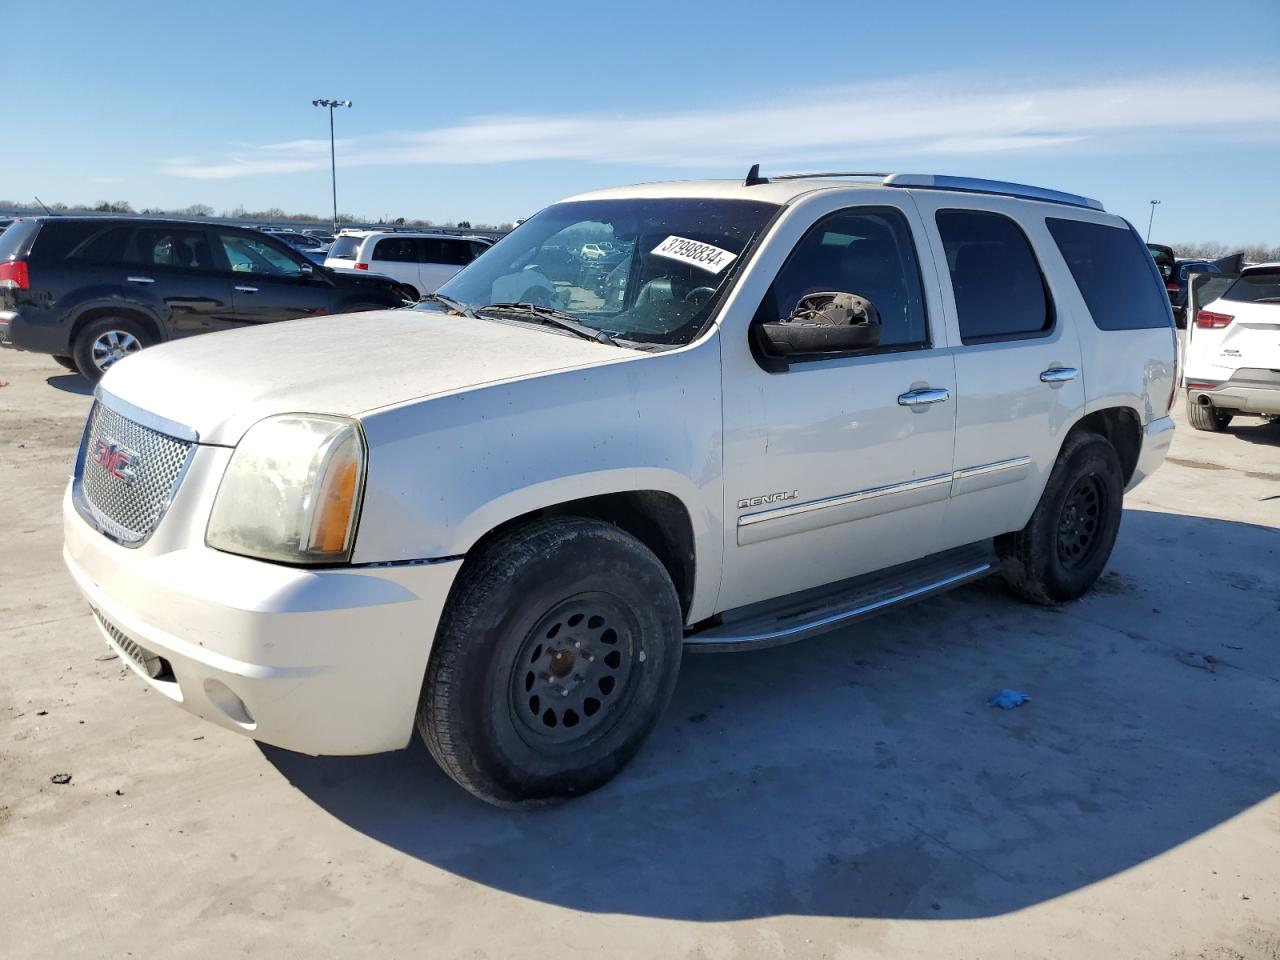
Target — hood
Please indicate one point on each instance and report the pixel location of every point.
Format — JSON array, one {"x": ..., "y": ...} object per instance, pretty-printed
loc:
[{"x": 220, "y": 384}]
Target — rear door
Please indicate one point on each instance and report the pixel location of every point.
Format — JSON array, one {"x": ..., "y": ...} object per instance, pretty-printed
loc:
[
  {"x": 397, "y": 257},
  {"x": 441, "y": 259},
  {"x": 1017, "y": 361},
  {"x": 270, "y": 283},
  {"x": 176, "y": 265}
]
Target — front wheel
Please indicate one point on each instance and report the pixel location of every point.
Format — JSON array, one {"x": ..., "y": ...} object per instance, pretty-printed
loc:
[
  {"x": 557, "y": 652},
  {"x": 1065, "y": 545}
]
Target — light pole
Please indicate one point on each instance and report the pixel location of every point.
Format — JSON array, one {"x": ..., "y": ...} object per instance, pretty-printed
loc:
[
  {"x": 1154, "y": 204},
  {"x": 333, "y": 159}
]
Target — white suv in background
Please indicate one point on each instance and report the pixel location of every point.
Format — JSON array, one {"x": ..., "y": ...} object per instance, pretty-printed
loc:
[
  {"x": 1233, "y": 352},
  {"x": 805, "y": 401},
  {"x": 421, "y": 260}
]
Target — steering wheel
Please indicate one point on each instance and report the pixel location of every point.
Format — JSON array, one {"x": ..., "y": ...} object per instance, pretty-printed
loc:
[{"x": 699, "y": 295}]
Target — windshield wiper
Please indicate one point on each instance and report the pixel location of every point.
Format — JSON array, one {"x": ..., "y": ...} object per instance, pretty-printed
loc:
[
  {"x": 457, "y": 306},
  {"x": 556, "y": 318}
]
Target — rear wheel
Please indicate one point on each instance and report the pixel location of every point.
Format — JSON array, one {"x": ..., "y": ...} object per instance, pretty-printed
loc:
[
  {"x": 1065, "y": 545},
  {"x": 1205, "y": 416},
  {"x": 556, "y": 654},
  {"x": 105, "y": 342}
]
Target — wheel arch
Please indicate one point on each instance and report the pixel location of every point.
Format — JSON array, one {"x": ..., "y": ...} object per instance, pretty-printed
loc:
[
  {"x": 1121, "y": 426},
  {"x": 88, "y": 313},
  {"x": 657, "y": 518}
]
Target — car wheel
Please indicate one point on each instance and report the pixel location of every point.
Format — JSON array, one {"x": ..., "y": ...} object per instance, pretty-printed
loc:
[
  {"x": 68, "y": 362},
  {"x": 1205, "y": 416},
  {"x": 1065, "y": 545},
  {"x": 105, "y": 342},
  {"x": 557, "y": 652}
]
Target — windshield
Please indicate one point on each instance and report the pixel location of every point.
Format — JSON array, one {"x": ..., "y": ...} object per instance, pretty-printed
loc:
[
  {"x": 1256, "y": 286},
  {"x": 345, "y": 248},
  {"x": 651, "y": 271}
]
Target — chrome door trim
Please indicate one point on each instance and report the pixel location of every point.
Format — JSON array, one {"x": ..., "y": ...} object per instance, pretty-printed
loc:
[
  {"x": 989, "y": 468},
  {"x": 841, "y": 499},
  {"x": 923, "y": 397},
  {"x": 1059, "y": 375},
  {"x": 987, "y": 475},
  {"x": 247, "y": 289},
  {"x": 140, "y": 279}
]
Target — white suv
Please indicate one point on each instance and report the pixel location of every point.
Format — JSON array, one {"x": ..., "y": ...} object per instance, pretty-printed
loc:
[
  {"x": 1233, "y": 352},
  {"x": 421, "y": 260},
  {"x": 806, "y": 401}
]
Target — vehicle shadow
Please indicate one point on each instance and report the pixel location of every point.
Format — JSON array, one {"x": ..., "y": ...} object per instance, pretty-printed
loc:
[
  {"x": 71, "y": 383},
  {"x": 860, "y": 775},
  {"x": 1253, "y": 430}
]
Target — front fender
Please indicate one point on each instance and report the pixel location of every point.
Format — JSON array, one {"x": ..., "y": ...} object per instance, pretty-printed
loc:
[{"x": 446, "y": 470}]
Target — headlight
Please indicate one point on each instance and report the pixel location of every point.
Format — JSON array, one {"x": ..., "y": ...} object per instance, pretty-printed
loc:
[{"x": 291, "y": 491}]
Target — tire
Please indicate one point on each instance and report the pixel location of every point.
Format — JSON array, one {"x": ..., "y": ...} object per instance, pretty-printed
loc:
[
  {"x": 105, "y": 341},
  {"x": 1065, "y": 545},
  {"x": 499, "y": 733},
  {"x": 1205, "y": 416},
  {"x": 68, "y": 362}
]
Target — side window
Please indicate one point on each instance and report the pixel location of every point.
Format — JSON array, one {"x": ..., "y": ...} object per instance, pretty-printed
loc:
[
  {"x": 249, "y": 255},
  {"x": 1000, "y": 292},
  {"x": 867, "y": 251},
  {"x": 1113, "y": 272},
  {"x": 396, "y": 250},
  {"x": 454, "y": 253},
  {"x": 104, "y": 246},
  {"x": 165, "y": 247}
]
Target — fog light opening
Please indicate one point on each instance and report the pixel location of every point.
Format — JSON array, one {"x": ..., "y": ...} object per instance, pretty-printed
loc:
[{"x": 222, "y": 697}]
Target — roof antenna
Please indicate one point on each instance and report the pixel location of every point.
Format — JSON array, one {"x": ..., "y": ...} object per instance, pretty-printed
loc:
[
  {"x": 46, "y": 209},
  {"x": 753, "y": 177}
]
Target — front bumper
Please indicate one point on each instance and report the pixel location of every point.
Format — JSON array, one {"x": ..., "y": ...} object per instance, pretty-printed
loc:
[
  {"x": 317, "y": 661},
  {"x": 1156, "y": 438},
  {"x": 1248, "y": 391}
]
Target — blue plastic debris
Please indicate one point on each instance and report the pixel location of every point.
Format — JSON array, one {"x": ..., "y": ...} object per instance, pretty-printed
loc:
[{"x": 1007, "y": 699}]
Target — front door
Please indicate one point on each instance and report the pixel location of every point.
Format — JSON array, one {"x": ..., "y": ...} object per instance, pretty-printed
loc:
[
  {"x": 268, "y": 284},
  {"x": 840, "y": 464},
  {"x": 176, "y": 265}
]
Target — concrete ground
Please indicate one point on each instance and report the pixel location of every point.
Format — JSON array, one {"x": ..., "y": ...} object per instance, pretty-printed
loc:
[{"x": 846, "y": 797}]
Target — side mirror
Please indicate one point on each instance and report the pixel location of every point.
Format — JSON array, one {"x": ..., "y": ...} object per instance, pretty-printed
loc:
[{"x": 824, "y": 323}]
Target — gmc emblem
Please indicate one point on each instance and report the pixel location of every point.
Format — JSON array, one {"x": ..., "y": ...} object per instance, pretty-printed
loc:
[{"x": 115, "y": 459}]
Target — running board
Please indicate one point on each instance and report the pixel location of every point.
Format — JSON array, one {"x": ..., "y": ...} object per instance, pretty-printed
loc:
[{"x": 783, "y": 620}]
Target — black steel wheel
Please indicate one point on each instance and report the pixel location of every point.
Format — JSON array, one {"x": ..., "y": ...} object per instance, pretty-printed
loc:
[{"x": 1080, "y": 522}]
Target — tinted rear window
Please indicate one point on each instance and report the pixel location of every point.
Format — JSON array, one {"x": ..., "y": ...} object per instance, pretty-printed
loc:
[
  {"x": 1256, "y": 286},
  {"x": 1113, "y": 271},
  {"x": 345, "y": 248},
  {"x": 999, "y": 290}
]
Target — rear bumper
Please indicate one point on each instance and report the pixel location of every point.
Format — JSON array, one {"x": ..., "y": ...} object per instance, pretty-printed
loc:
[
  {"x": 1248, "y": 391},
  {"x": 19, "y": 330},
  {"x": 1156, "y": 438},
  {"x": 317, "y": 661}
]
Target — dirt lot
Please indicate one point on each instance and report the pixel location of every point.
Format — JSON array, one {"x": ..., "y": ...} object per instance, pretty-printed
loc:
[{"x": 846, "y": 797}]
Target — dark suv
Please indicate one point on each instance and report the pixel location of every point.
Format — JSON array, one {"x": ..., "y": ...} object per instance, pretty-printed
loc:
[{"x": 91, "y": 289}]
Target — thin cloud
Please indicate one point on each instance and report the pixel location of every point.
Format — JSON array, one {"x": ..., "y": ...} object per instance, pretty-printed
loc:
[{"x": 922, "y": 116}]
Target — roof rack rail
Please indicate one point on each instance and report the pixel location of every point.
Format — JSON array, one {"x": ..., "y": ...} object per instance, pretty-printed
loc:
[{"x": 933, "y": 181}]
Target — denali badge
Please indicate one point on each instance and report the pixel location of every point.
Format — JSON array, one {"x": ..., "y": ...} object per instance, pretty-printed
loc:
[
  {"x": 767, "y": 498},
  {"x": 115, "y": 459}
]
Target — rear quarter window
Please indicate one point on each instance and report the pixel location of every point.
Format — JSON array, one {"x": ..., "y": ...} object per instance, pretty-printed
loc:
[
  {"x": 345, "y": 248},
  {"x": 16, "y": 240},
  {"x": 1112, "y": 269},
  {"x": 82, "y": 240}
]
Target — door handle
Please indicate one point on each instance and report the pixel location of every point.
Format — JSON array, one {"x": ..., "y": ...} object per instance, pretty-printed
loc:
[
  {"x": 247, "y": 289},
  {"x": 923, "y": 397},
  {"x": 140, "y": 279},
  {"x": 1059, "y": 375}
]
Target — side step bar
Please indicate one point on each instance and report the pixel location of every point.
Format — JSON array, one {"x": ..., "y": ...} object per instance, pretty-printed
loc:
[{"x": 784, "y": 620}]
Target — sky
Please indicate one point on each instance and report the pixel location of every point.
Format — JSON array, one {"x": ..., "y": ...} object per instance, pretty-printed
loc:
[{"x": 488, "y": 111}]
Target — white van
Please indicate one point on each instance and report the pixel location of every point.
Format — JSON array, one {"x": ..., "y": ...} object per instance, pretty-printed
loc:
[{"x": 422, "y": 260}]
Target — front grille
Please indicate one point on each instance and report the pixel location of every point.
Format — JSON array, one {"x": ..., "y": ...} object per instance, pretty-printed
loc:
[
  {"x": 151, "y": 664},
  {"x": 128, "y": 473}
]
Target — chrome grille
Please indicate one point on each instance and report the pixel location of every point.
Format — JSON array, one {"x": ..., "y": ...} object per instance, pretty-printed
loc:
[{"x": 128, "y": 473}]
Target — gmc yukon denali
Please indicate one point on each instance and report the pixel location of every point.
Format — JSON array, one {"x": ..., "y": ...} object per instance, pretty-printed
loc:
[{"x": 795, "y": 402}]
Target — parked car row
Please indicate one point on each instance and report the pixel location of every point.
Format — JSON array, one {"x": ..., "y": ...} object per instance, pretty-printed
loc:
[{"x": 91, "y": 290}]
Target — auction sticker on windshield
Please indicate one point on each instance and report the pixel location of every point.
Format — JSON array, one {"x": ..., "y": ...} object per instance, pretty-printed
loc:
[{"x": 701, "y": 255}]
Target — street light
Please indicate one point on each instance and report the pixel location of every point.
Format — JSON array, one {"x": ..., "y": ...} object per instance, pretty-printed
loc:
[
  {"x": 1154, "y": 204},
  {"x": 333, "y": 161}
]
